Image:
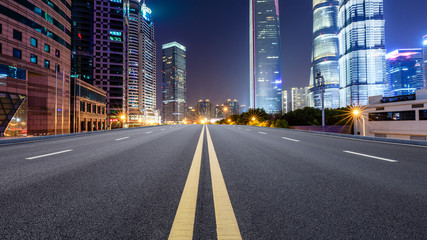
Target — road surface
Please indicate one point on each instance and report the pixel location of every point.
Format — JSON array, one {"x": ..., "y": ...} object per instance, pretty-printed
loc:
[{"x": 212, "y": 182}]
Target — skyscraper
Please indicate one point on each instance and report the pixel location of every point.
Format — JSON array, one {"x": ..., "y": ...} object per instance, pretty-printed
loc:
[
  {"x": 325, "y": 53},
  {"x": 299, "y": 98},
  {"x": 362, "y": 50},
  {"x": 141, "y": 74},
  {"x": 404, "y": 72},
  {"x": 205, "y": 109},
  {"x": 174, "y": 82},
  {"x": 425, "y": 60},
  {"x": 265, "y": 60},
  {"x": 285, "y": 102},
  {"x": 109, "y": 63}
]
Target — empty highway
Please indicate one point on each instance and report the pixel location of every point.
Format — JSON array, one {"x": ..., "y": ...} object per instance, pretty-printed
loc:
[{"x": 212, "y": 182}]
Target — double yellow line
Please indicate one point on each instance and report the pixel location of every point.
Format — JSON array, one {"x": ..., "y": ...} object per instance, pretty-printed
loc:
[{"x": 226, "y": 223}]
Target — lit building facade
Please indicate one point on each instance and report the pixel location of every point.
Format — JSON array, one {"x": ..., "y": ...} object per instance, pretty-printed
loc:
[
  {"x": 425, "y": 60},
  {"x": 205, "y": 109},
  {"x": 325, "y": 54},
  {"x": 140, "y": 92},
  {"x": 265, "y": 56},
  {"x": 362, "y": 51},
  {"x": 109, "y": 56},
  {"x": 232, "y": 107},
  {"x": 299, "y": 98},
  {"x": 404, "y": 72},
  {"x": 174, "y": 90},
  {"x": 285, "y": 103},
  {"x": 35, "y": 53}
]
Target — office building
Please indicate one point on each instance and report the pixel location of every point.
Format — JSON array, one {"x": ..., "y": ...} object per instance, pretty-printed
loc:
[
  {"x": 425, "y": 60},
  {"x": 362, "y": 51},
  {"x": 299, "y": 98},
  {"x": 219, "y": 111},
  {"x": 404, "y": 72},
  {"x": 265, "y": 56},
  {"x": 174, "y": 82},
  {"x": 140, "y": 78},
  {"x": 35, "y": 53},
  {"x": 285, "y": 102},
  {"x": 109, "y": 54},
  {"x": 402, "y": 117},
  {"x": 204, "y": 109},
  {"x": 325, "y": 54}
]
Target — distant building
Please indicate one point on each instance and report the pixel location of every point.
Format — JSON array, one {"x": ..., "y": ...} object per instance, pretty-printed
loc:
[
  {"x": 403, "y": 117},
  {"x": 284, "y": 102},
  {"x": 299, "y": 98},
  {"x": 425, "y": 60},
  {"x": 219, "y": 111},
  {"x": 265, "y": 56},
  {"x": 325, "y": 54},
  {"x": 174, "y": 82},
  {"x": 243, "y": 108},
  {"x": 362, "y": 51},
  {"x": 404, "y": 71},
  {"x": 205, "y": 109},
  {"x": 232, "y": 107},
  {"x": 35, "y": 56}
]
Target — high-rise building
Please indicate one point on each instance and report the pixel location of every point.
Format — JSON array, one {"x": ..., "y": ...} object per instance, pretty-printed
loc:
[
  {"x": 109, "y": 55},
  {"x": 285, "y": 102},
  {"x": 362, "y": 51},
  {"x": 219, "y": 111},
  {"x": 82, "y": 40},
  {"x": 141, "y": 74},
  {"x": 232, "y": 107},
  {"x": 174, "y": 82},
  {"x": 325, "y": 54},
  {"x": 205, "y": 109},
  {"x": 425, "y": 60},
  {"x": 299, "y": 98},
  {"x": 404, "y": 72},
  {"x": 35, "y": 65},
  {"x": 265, "y": 59}
]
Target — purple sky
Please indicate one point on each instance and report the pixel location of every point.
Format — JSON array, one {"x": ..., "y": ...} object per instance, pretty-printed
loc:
[{"x": 216, "y": 36}]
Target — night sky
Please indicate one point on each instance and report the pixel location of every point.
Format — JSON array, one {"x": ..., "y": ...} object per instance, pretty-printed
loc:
[{"x": 216, "y": 36}]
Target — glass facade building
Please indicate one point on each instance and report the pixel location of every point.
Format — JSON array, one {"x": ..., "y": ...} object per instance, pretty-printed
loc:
[
  {"x": 174, "y": 89},
  {"x": 325, "y": 54},
  {"x": 141, "y": 74},
  {"x": 404, "y": 72},
  {"x": 265, "y": 56},
  {"x": 362, "y": 51}
]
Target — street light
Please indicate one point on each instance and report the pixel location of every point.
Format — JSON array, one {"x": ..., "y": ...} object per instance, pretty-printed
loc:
[
  {"x": 253, "y": 118},
  {"x": 357, "y": 113},
  {"x": 321, "y": 83},
  {"x": 123, "y": 117}
]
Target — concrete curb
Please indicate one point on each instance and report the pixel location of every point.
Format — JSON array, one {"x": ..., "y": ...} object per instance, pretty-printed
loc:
[{"x": 50, "y": 137}]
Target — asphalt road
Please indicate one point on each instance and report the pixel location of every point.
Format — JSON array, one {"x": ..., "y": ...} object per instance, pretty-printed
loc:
[{"x": 226, "y": 182}]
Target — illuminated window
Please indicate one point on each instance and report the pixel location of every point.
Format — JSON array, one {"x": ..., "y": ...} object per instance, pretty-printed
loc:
[
  {"x": 46, "y": 63},
  {"x": 33, "y": 58},
  {"x": 33, "y": 42},
  {"x": 47, "y": 48}
]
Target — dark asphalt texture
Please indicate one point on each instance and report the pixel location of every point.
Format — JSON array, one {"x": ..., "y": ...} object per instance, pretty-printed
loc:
[{"x": 279, "y": 189}]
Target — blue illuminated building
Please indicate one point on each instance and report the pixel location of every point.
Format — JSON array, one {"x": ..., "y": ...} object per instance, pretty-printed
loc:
[
  {"x": 404, "y": 72},
  {"x": 325, "y": 54},
  {"x": 265, "y": 59}
]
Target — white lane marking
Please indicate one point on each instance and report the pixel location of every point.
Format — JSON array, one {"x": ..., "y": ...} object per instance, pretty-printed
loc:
[
  {"x": 290, "y": 139},
  {"x": 119, "y": 139},
  {"x": 247, "y": 129},
  {"x": 149, "y": 132},
  {"x": 262, "y": 133},
  {"x": 49, "y": 154},
  {"x": 162, "y": 129},
  {"x": 369, "y": 156}
]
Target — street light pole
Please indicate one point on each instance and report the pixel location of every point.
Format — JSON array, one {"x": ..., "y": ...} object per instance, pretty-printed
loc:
[{"x": 321, "y": 83}]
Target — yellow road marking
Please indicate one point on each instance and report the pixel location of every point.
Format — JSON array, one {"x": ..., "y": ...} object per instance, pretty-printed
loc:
[
  {"x": 183, "y": 224},
  {"x": 226, "y": 223}
]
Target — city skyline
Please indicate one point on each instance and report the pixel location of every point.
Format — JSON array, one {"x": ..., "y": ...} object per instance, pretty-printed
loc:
[{"x": 230, "y": 36}]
